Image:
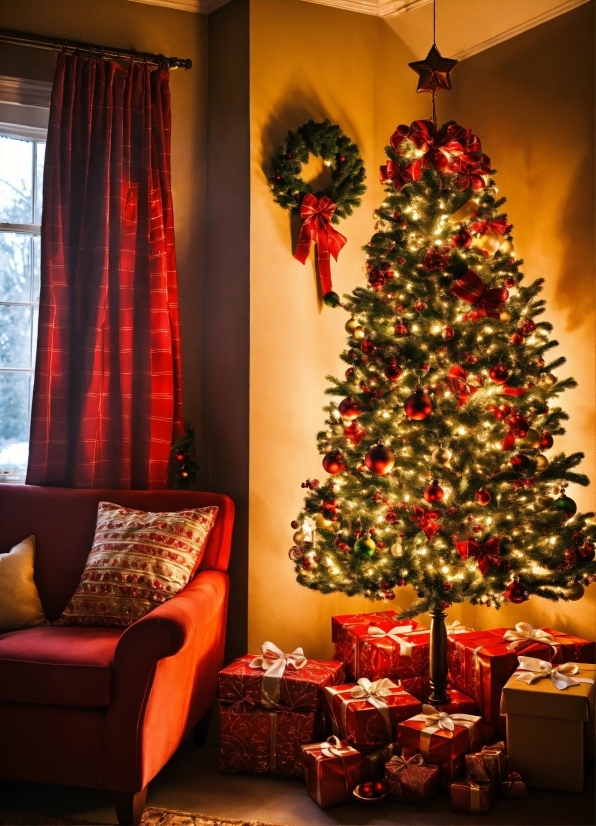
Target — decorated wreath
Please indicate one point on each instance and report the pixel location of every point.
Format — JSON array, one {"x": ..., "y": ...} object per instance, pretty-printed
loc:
[{"x": 319, "y": 210}]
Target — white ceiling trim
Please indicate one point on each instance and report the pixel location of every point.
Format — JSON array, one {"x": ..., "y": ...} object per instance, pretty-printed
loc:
[
  {"x": 196, "y": 6},
  {"x": 20, "y": 91}
]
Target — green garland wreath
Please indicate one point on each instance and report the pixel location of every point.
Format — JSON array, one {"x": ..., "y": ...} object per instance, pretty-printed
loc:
[{"x": 323, "y": 140}]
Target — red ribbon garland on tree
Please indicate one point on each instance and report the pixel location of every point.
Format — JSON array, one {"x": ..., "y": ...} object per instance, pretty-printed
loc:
[
  {"x": 316, "y": 214},
  {"x": 485, "y": 553},
  {"x": 425, "y": 519},
  {"x": 472, "y": 289},
  {"x": 463, "y": 383}
]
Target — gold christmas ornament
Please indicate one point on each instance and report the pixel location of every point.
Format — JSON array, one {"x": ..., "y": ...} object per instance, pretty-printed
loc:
[
  {"x": 397, "y": 548},
  {"x": 505, "y": 316},
  {"x": 489, "y": 242},
  {"x": 359, "y": 334},
  {"x": 531, "y": 440},
  {"x": 301, "y": 538},
  {"x": 506, "y": 247},
  {"x": 541, "y": 463},
  {"x": 441, "y": 456},
  {"x": 574, "y": 591},
  {"x": 351, "y": 325},
  {"x": 464, "y": 212},
  {"x": 322, "y": 522},
  {"x": 549, "y": 379}
]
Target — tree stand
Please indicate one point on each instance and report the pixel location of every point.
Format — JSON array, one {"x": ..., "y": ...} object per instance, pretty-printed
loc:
[{"x": 438, "y": 658}]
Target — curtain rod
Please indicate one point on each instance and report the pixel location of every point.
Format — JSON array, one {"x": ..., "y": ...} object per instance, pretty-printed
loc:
[{"x": 36, "y": 41}]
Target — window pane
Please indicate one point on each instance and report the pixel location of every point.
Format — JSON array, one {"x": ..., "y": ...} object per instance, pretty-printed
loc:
[
  {"x": 36, "y": 266},
  {"x": 15, "y": 259},
  {"x": 41, "y": 156},
  {"x": 16, "y": 180},
  {"x": 35, "y": 326},
  {"x": 14, "y": 419},
  {"x": 15, "y": 336}
]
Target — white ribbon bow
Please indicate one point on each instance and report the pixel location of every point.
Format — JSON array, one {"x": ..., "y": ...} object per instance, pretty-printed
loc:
[
  {"x": 403, "y": 762},
  {"x": 394, "y": 634},
  {"x": 435, "y": 717},
  {"x": 457, "y": 628},
  {"x": 435, "y": 720},
  {"x": 274, "y": 662},
  {"x": 373, "y": 692},
  {"x": 332, "y": 747},
  {"x": 531, "y": 669},
  {"x": 524, "y": 633}
]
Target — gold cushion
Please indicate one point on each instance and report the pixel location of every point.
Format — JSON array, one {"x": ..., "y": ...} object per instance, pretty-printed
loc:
[{"x": 20, "y": 606}]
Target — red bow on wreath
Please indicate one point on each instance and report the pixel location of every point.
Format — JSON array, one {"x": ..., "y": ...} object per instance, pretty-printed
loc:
[
  {"x": 425, "y": 519},
  {"x": 472, "y": 289},
  {"x": 485, "y": 553},
  {"x": 400, "y": 175},
  {"x": 499, "y": 226},
  {"x": 316, "y": 214},
  {"x": 463, "y": 383}
]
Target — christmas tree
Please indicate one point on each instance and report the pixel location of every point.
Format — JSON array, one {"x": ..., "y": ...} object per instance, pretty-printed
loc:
[{"x": 435, "y": 443}]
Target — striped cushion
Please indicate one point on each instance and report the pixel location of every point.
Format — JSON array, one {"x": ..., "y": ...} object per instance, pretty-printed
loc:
[{"x": 138, "y": 560}]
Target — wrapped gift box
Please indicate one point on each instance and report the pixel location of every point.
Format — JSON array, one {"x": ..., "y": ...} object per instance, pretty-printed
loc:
[
  {"x": 374, "y": 759},
  {"x": 468, "y": 796},
  {"x": 388, "y": 649},
  {"x": 332, "y": 770},
  {"x": 297, "y": 689},
  {"x": 340, "y": 626},
  {"x": 429, "y": 734},
  {"x": 419, "y": 686},
  {"x": 514, "y": 786},
  {"x": 261, "y": 741},
  {"x": 449, "y": 771},
  {"x": 488, "y": 765},
  {"x": 411, "y": 779},
  {"x": 571, "y": 649},
  {"x": 480, "y": 664},
  {"x": 367, "y": 714},
  {"x": 550, "y": 730}
]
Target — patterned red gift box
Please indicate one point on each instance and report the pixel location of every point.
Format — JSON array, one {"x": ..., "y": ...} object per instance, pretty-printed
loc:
[
  {"x": 488, "y": 765},
  {"x": 438, "y": 736},
  {"x": 387, "y": 649},
  {"x": 299, "y": 689},
  {"x": 261, "y": 741},
  {"x": 366, "y": 714},
  {"x": 412, "y": 780},
  {"x": 340, "y": 627},
  {"x": 480, "y": 664},
  {"x": 449, "y": 771},
  {"x": 468, "y": 796},
  {"x": 419, "y": 686},
  {"x": 571, "y": 649},
  {"x": 332, "y": 770},
  {"x": 459, "y": 703}
]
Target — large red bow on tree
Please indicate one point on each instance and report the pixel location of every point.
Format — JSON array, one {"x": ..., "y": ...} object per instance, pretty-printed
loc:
[
  {"x": 471, "y": 171},
  {"x": 499, "y": 226},
  {"x": 400, "y": 175},
  {"x": 425, "y": 519},
  {"x": 316, "y": 214},
  {"x": 471, "y": 288},
  {"x": 463, "y": 383},
  {"x": 439, "y": 146},
  {"x": 485, "y": 553}
]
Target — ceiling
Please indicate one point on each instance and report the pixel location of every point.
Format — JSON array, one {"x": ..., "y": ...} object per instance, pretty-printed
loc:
[{"x": 464, "y": 27}]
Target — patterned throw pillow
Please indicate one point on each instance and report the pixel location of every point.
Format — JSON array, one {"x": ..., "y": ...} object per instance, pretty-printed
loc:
[{"x": 138, "y": 560}]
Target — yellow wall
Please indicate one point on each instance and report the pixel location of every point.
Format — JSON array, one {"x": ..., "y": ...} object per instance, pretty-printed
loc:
[{"x": 531, "y": 101}]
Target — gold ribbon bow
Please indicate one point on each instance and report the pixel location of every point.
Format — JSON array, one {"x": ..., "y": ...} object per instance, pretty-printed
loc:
[
  {"x": 531, "y": 669},
  {"x": 373, "y": 693},
  {"x": 403, "y": 762},
  {"x": 523, "y": 633},
  {"x": 435, "y": 720},
  {"x": 457, "y": 628},
  {"x": 274, "y": 662}
]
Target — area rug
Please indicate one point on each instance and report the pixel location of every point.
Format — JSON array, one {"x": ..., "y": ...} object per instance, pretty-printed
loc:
[{"x": 151, "y": 817}]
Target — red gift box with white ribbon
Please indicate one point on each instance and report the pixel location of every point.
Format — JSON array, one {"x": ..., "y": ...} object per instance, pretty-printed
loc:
[
  {"x": 388, "y": 649},
  {"x": 367, "y": 714},
  {"x": 332, "y": 770},
  {"x": 341, "y": 625},
  {"x": 439, "y": 736}
]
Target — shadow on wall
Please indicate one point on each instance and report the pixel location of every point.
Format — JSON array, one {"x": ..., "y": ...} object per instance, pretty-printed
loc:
[{"x": 575, "y": 279}]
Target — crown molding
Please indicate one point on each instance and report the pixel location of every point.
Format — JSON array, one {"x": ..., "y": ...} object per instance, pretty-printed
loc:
[
  {"x": 20, "y": 91},
  {"x": 194, "y": 6}
]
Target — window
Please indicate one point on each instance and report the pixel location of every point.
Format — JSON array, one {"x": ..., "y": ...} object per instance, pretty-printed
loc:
[{"x": 22, "y": 154}]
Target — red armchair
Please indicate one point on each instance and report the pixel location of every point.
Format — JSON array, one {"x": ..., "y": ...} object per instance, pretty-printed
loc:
[{"x": 106, "y": 708}]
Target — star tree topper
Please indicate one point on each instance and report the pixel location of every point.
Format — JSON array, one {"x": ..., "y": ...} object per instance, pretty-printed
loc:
[{"x": 434, "y": 71}]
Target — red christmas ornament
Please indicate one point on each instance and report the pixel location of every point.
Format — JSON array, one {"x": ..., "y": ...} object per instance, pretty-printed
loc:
[
  {"x": 380, "y": 787},
  {"x": 401, "y": 329},
  {"x": 294, "y": 524},
  {"x": 393, "y": 372},
  {"x": 391, "y": 517},
  {"x": 448, "y": 333},
  {"x": 586, "y": 552},
  {"x": 380, "y": 460},
  {"x": 418, "y": 406},
  {"x": 354, "y": 433},
  {"x": 434, "y": 492},
  {"x": 309, "y": 562},
  {"x": 527, "y": 327},
  {"x": 569, "y": 559},
  {"x": 295, "y": 553},
  {"x": 546, "y": 440},
  {"x": 367, "y": 346},
  {"x": 462, "y": 240},
  {"x": 516, "y": 592},
  {"x": 518, "y": 425},
  {"x": 180, "y": 457},
  {"x": 367, "y": 789},
  {"x": 517, "y": 338},
  {"x": 435, "y": 260},
  {"x": 333, "y": 462},
  {"x": 349, "y": 409},
  {"x": 447, "y": 586},
  {"x": 483, "y": 497},
  {"x": 350, "y": 373},
  {"x": 499, "y": 373},
  {"x": 388, "y": 595},
  {"x": 510, "y": 282},
  {"x": 520, "y": 461}
]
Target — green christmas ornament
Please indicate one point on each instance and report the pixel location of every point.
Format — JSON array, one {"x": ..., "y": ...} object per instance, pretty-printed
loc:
[
  {"x": 566, "y": 505},
  {"x": 331, "y": 299},
  {"x": 365, "y": 546}
]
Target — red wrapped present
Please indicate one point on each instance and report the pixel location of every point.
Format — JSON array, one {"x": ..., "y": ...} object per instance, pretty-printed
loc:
[
  {"x": 481, "y": 663},
  {"x": 449, "y": 771},
  {"x": 340, "y": 630},
  {"x": 387, "y": 649},
  {"x": 571, "y": 649},
  {"x": 488, "y": 765},
  {"x": 468, "y": 796},
  {"x": 411, "y": 779},
  {"x": 260, "y": 741},
  {"x": 276, "y": 680},
  {"x": 514, "y": 786},
  {"x": 418, "y": 687},
  {"x": 438, "y": 736},
  {"x": 367, "y": 714},
  {"x": 332, "y": 770},
  {"x": 459, "y": 702},
  {"x": 374, "y": 759}
]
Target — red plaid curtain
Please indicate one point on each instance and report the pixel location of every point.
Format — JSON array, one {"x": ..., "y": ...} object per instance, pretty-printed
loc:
[{"x": 107, "y": 399}]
